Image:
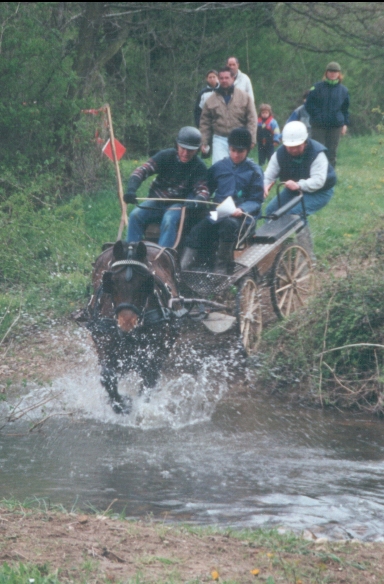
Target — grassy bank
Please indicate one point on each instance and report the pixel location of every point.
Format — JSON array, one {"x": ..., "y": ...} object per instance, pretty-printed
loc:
[{"x": 48, "y": 545}]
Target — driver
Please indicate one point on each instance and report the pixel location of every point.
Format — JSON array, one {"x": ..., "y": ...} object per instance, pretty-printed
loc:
[
  {"x": 236, "y": 176},
  {"x": 181, "y": 174},
  {"x": 301, "y": 163}
]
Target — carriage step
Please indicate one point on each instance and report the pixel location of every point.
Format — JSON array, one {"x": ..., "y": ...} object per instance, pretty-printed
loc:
[
  {"x": 271, "y": 231},
  {"x": 219, "y": 322}
]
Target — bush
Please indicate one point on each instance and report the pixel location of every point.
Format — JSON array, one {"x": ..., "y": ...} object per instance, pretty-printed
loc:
[{"x": 334, "y": 350}]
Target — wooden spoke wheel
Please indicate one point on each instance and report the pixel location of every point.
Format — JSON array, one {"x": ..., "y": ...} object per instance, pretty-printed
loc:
[
  {"x": 292, "y": 280},
  {"x": 249, "y": 314}
]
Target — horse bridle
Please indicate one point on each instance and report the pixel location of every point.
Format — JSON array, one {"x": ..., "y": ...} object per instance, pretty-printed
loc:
[{"x": 165, "y": 291}]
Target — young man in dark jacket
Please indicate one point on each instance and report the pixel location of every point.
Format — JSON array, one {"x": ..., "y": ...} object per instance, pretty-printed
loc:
[{"x": 240, "y": 178}]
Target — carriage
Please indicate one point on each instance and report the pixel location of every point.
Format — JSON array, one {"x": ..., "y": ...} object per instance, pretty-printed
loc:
[{"x": 266, "y": 259}]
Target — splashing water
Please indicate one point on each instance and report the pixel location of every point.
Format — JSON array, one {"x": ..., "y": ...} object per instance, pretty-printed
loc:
[{"x": 187, "y": 393}]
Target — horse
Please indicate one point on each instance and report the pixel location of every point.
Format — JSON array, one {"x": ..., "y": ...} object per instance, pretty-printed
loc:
[{"x": 132, "y": 314}]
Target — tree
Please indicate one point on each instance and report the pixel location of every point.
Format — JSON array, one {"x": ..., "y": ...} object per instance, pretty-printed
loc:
[{"x": 351, "y": 28}]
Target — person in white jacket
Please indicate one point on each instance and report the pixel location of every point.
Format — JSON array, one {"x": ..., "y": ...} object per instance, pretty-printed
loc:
[{"x": 242, "y": 81}]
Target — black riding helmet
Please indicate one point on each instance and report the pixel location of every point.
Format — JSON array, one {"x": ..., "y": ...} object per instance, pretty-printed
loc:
[
  {"x": 189, "y": 138},
  {"x": 240, "y": 138}
]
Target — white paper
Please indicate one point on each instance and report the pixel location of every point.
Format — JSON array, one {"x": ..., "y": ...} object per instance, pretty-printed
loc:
[{"x": 225, "y": 209}]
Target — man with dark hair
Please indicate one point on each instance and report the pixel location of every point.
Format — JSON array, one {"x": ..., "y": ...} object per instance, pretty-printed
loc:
[
  {"x": 226, "y": 109},
  {"x": 181, "y": 174},
  {"x": 240, "y": 178},
  {"x": 242, "y": 81},
  {"x": 212, "y": 79}
]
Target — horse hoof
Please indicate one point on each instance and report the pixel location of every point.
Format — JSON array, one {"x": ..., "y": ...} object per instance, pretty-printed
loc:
[{"x": 122, "y": 407}]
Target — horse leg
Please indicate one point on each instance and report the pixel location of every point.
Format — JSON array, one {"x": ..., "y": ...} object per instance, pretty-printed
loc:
[{"x": 108, "y": 379}]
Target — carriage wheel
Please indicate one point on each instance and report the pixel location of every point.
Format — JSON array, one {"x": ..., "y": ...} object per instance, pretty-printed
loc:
[
  {"x": 292, "y": 280},
  {"x": 249, "y": 315}
]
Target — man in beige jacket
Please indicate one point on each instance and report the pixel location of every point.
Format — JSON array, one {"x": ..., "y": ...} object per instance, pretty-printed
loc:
[{"x": 226, "y": 109}]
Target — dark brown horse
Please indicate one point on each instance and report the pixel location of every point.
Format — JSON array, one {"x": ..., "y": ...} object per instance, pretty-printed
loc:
[{"x": 132, "y": 314}]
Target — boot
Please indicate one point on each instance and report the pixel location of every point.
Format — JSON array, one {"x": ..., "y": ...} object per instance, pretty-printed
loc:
[
  {"x": 189, "y": 258},
  {"x": 224, "y": 258},
  {"x": 304, "y": 239}
]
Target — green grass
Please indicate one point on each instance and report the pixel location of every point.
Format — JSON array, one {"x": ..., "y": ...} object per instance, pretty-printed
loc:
[
  {"x": 358, "y": 201},
  {"x": 24, "y": 574}
]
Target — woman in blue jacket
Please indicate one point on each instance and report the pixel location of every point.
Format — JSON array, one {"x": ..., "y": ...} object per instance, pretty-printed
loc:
[{"x": 327, "y": 104}]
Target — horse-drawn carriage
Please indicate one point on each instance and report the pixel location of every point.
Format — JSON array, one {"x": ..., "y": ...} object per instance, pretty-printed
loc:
[{"x": 141, "y": 296}]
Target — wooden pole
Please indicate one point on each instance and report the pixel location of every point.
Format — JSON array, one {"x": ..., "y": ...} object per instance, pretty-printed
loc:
[{"x": 124, "y": 217}]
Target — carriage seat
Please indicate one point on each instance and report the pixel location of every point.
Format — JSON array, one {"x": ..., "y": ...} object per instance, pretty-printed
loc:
[{"x": 272, "y": 230}]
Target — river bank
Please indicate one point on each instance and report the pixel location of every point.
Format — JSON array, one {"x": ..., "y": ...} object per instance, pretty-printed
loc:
[{"x": 100, "y": 548}]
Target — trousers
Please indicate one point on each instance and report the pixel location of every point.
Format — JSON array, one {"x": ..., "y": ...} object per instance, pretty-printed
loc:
[{"x": 313, "y": 202}]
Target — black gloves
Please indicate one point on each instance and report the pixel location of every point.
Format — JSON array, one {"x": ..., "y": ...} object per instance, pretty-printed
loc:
[
  {"x": 130, "y": 198},
  {"x": 198, "y": 202}
]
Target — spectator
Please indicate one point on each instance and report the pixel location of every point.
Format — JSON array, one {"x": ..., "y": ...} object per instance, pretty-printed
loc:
[
  {"x": 268, "y": 133},
  {"x": 300, "y": 114},
  {"x": 327, "y": 104},
  {"x": 242, "y": 81},
  {"x": 226, "y": 109},
  {"x": 212, "y": 80}
]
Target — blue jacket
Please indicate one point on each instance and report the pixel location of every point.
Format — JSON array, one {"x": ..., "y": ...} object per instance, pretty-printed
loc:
[
  {"x": 328, "y": 105},
  {"x": 243, "y": 182},
  {"x": 296, "y": 168}
]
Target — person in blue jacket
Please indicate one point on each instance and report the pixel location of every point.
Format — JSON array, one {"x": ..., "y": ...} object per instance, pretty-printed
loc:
[
  {"x": 236, "y": 176},
  {"x": 328, "y": 104}
]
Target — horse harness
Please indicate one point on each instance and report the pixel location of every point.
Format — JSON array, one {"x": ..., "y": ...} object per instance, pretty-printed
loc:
[{"x": 162, "y": 293}]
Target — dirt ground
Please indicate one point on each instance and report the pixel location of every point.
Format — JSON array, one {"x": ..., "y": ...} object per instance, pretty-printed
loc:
[{"x": 81, "y": 548}]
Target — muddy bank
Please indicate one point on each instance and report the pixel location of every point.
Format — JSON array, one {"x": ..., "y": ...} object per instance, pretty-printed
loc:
[{"x": 99, "y": 548}]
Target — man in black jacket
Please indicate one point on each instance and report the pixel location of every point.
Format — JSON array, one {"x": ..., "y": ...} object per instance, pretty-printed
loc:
[{"x": 181, "y": 174}]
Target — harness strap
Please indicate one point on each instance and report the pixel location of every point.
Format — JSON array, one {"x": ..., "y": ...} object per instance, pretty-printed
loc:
[{"x": 130, "y": 263}]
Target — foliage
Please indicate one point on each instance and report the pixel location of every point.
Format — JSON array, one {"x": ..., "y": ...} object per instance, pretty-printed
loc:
[
  {"x": 335, "y": 348},
  {"x": 22, "y": 573}
]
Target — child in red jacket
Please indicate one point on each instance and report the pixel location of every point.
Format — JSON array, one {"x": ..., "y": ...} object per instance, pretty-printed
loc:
[{"x": 268, "y": 133}]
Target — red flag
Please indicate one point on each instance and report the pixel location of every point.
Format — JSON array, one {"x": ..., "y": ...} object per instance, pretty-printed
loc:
[{"x": 120, "y": 149}]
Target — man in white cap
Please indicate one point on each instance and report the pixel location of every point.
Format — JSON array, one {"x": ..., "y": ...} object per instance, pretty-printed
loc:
[{"x": 302, "y": 165}]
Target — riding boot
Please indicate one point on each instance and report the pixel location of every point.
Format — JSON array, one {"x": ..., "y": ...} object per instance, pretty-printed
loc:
[
  {"x": 224, "y": 258},
  {"x": 189, "y": 258},
  {"x": 304, "y": 239}
]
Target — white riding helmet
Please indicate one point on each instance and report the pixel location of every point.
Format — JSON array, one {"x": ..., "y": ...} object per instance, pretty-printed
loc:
[{"x": 294, "y": 134}]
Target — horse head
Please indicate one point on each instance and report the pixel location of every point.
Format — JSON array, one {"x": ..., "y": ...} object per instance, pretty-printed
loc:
[{"x": 130, "y": 282}]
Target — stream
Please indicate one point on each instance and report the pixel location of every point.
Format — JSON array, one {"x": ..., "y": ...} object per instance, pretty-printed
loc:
[{"x": 204, "y": 450}]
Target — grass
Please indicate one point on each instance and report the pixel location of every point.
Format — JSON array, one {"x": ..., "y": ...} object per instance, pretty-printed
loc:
[
  {"x": 24, "y": 574},
  {"x": 358, "y": 199}
]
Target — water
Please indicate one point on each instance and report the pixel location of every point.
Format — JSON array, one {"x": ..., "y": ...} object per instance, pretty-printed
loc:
[{"x": 204, "y": 450}]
